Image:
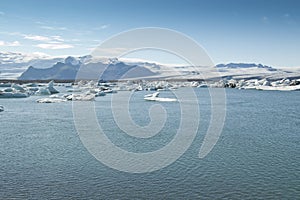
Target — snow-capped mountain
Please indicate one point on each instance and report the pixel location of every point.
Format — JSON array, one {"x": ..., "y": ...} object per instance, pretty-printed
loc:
[
  {"x": 39, "y": 66},
  {"x": 68, "y": 70}
]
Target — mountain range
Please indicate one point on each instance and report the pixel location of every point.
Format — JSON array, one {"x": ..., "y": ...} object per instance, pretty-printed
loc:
[
  {"x": 68, "y": 70},
  {"x": 40, "y": 67}
]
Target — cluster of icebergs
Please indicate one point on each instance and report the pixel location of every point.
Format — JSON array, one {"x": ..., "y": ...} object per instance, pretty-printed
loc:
[
  {"x": 81, "y": 92},
  {"x": 257, "y": 84},
  {"x": 12, "y": 90},
  {"x": 263, "y": 84},
  {"x": 89, "y": 90}
]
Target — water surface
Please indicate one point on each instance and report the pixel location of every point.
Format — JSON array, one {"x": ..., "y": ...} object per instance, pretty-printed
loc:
[{"x": 257, "y": 155}]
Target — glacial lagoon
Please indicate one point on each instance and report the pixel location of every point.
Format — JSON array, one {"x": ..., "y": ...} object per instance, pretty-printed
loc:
[{"x": 256, "y": 156}]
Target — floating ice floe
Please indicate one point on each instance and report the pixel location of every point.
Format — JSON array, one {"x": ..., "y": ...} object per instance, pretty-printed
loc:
[
  {"x": 5, "y": 84},
  {"x": 12, "y": 94},
  {"x": 14, "y": 91},
  {"x": 67, "y": 97},
  {"x": 97, "y": 92},
  {"x": 51, "y": 100},
  {"x": 80, "y": 97},
  {"x": 100, "y": 94},
  {"x": 263, "y": 84},
  {"x": 279, "y": 88},
  {"x": 154, "y": 97},
  {"x": 73, "y": 89},
  {"x": 18, "y": 87}
]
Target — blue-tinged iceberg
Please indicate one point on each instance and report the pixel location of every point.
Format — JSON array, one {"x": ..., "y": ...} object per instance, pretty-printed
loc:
[{"x": 12, "y": 94}]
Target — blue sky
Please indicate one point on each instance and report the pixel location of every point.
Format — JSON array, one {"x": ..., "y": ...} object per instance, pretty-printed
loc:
[{"x": 260, "y": 31}]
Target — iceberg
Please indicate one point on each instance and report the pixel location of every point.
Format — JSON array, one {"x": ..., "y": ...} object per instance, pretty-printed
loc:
[
  {"x": 154, "y": 97},
  {"x": 43, "y": 91},
  {"x": 1, "y": 108},
  {"x": 80, "y": 97},
  {"x": 100, "y": 94},
  {"x": 74, "y": 90},
  {"x": 51, "y": 100},
  {"x": 17, "y": 87},
  {"x": 48, "y": 90},
  {"x": 51, "y": 88},
  {"x": 279, "y": 88},
  {"x": 13, "y": 94},
  {"x": 5, "y": 84}
]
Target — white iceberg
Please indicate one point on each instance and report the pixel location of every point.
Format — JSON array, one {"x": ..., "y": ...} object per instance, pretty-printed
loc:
[
  {"x": 279, "y": 88},
  {"x": 43, "y": 91},
  {"x": 51, "y": 100},
  {"x": 80, "y": 97},
  {"x": 154, "y": 97},
  {"x": 48, "y": 90},
  {"x": 51, "y": 88}
]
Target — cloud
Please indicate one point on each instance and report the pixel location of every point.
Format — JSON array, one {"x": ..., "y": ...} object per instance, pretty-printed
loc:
[
  {"x": 14, "y": 44},
  {"x": 37, "y": 38},
  {"x": 57, "y": 38},
  {"x": 105, "y": 26},
  {"x": 55, "y": 45},
  {"x": 54, "y": 28},
  {"x": 10, "y": 44},
  {"x": 40, "y": 55},
  {"x": 75, "y": 40},
  {"x": 107, "y": 52},
  {"x": 2, "y": 13}
]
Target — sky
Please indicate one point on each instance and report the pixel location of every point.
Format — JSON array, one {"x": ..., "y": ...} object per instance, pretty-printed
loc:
[{"x": 256, "y": 31}]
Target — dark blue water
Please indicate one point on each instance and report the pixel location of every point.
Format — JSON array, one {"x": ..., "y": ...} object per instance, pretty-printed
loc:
[{"x": 257, "y": 155}]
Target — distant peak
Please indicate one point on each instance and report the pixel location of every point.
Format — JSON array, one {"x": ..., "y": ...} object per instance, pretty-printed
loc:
[
  {"x": 72, "y": 61},
  {"x": 242, "y": 65},
  {"x": 113, "y": 61}
]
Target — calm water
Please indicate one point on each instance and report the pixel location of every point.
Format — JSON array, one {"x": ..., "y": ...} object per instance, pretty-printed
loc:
[{"x": 257, "y": 155}]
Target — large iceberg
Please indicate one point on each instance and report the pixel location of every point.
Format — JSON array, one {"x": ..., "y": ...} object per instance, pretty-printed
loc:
[
  {"x": 51, "y": 88},
  {"x": 48, "y": 90}
]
